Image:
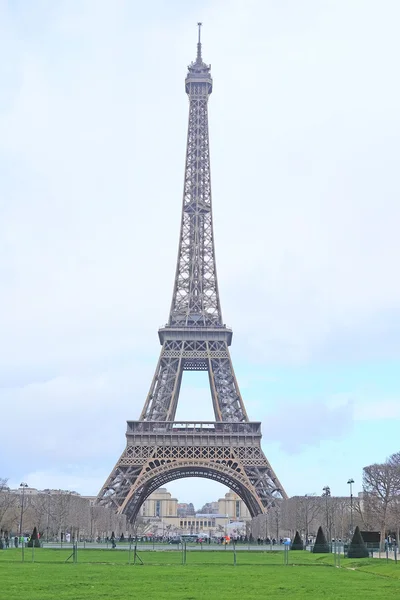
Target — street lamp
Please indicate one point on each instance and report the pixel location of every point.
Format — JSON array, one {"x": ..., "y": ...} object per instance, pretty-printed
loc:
[
  {"x": 23, "y": 486},
  {"x": 327, "y": 493},
  {"x": 350, "y": 483}
]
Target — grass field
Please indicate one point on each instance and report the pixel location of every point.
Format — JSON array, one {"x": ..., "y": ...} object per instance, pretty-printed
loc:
[{"x": 101, "y": 574}]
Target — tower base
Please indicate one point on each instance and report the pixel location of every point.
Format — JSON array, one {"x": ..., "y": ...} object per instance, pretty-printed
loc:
[{"x": 160, "y": 451}]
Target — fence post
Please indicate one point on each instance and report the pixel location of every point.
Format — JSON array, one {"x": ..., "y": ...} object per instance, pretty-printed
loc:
[
  {"x": 184, "y": 552},
  {"x": 234, "y": 553},
  {"x": 23, "y": 548},
  {"x": 337, "y": 554},
  {"x": 287, "y": 553}
]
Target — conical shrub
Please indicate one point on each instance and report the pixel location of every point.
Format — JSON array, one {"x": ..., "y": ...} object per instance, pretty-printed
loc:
[
  {"x": 297, "y": 543},
  {"x": 34, "y": 539},
  {"x": 357, "y": 548},
  {"x": 321, "y": 545}
]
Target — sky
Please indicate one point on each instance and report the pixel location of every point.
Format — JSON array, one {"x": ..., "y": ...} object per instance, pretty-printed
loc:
[{"x": 304, "y": 134}]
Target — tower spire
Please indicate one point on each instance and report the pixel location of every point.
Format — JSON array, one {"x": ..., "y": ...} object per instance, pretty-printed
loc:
[{"x": 199, "y": 59}]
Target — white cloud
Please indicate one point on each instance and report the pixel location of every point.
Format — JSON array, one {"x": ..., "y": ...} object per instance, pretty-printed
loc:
[
  {"x": 306, "y": 227},
  {"x": 74, "y": 478},
  {"x": 304, "y": 143}
]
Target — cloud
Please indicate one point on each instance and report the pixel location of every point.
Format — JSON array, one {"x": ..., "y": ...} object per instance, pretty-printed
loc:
[
  {"x": 87, "y": 481},
  {"x": 89, "y": 233},
  {"x": 72, "y": 420},
  {"x": 304, "y": 128},
  {"x": 298, "y": 425}
]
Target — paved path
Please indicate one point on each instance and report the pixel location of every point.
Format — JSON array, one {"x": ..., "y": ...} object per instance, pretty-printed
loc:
[{"x": 383, "y": 555}]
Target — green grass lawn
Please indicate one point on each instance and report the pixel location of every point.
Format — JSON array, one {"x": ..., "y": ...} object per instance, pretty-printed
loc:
[{"x": 207, "y": 575}]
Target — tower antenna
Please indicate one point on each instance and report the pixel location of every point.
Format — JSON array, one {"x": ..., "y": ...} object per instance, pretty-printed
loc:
[{"x": 199, "y": 44}]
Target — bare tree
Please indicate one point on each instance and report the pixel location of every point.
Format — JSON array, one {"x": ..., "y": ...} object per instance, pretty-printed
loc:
[
  {"x": 248, "y": 529},
  {"x": 340, "y": 518},
  {"x": 276, "y": 520},
  {"x": 8, "y": 505},
  {"x": 61, "y": 509},
  {"x": 366, "y": 521},
  {"x": 394, "y": 461},
  {"x": 381, "y": 483},
  {"x": 394, "y": 513},
  {"x": 140, "y": 527},
  {"x": 307, "y": 514},
  {"x": 38, "y": 511}
]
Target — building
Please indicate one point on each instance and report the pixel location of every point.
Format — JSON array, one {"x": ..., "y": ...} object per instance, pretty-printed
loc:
[
  {"x": 169, "y": 518},
  {"x": 232, "y": 506},
  {"x": 210, "y": 508},
  {"x": 159, "y": 504},
  {"x": 185, "y": 509}
]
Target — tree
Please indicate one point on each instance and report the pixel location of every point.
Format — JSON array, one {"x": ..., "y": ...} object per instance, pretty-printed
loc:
[
  {"x": 363, "y": 514},
  {"x": 8, "y": 502},
  {"x": 34, "y": 539},
  {"x": 140, "y": 527},
  {"x": 61, "y": 501},
  {"x": 248, "y": 529},
  {"x": 394, "y": 517},
  {"x": 340, "y": 517},
  {"x": 275, "y": 515},
  {"x": 394, "y": 460},
  {"x": 381, "y": 483},
  {"x": 321, "y": 545},
  {"x": 38, "y": 511},
  {"x": 357, "y": 548},
  {"x": 297, "y": 543},
  {"x": 308, "y": 509}
]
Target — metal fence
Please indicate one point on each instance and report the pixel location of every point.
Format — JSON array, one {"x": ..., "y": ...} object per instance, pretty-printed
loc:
[{"x": 167, "y": 554}]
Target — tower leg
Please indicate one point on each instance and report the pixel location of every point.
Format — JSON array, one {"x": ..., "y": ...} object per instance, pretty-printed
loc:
[
  {"x": 228, "y": 403},
  {"x": 163, "y": 395}
]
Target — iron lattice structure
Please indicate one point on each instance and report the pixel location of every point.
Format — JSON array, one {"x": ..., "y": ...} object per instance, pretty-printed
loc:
[{"x": 160, "y": 449}]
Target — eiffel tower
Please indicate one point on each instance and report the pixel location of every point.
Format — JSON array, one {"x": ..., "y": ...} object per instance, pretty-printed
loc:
[{"x": 160, "y": 449}]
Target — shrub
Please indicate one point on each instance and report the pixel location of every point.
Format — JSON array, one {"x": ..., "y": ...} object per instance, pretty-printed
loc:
[
  {"x": 321, "y": 545},
  {"x": 357, "y": 548},
  {"x": 34, "y": 539},
  {"x": 297, "y": 543}
]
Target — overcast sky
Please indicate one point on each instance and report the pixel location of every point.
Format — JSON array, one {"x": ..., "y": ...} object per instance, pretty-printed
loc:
[{"x": 304, "y": 130}]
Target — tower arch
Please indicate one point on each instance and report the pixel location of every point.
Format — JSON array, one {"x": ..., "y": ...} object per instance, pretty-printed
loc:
[{"x": 163, "y": 474}]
